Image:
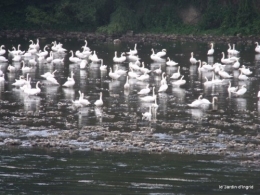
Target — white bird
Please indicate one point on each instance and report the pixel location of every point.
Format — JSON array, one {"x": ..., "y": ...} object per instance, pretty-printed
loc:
[
  {"x": 74, "y": 59},
  {"x": 48, "y": 74},
  {"x": 245, "y": 70},
  {"x": 11, "y": 68},
  {"x": 242, "y": 76},
  {"x": 132, "y": 74},
  {"x": 143, "y": 69},
  {"x": 171, "y": 62},
  {"x": 241, "y": 91},
  {"x": 50, "y": 58},
  {"x": 102, "y": 66},
  {"x": 179, "y": 82},
  {"x": 224, "y": 74},
  {"x": 211, "y": 50},
  {"x": 25, "y": 68},
  {"x": 149, "y": 98},
  {"x": 207, "y": 66},
  {"x": 225, "y": 60},
  {"x": 82, "y": 101},
  {"x": 236, "y": 64},
  {"x": 83, "y": 64},
  {"x": 133, "y": 52},
  {"x": 143, "y": 77},
  {"x": 231, "y": 89},
  {"x": 133, "y": 58},
  {"x": 119, "y": 71},
  {"x": 192, "y": 59},
  {"x": 161, "y": 53},
  {"x": 33, "y": 91},
  {"x": 44, "y": 53},
  {"x": 155, "y": 105},
  {"x": 85, "y": 47},
  {"x": 206, "y": 101},
  {"x": 121, "y": 59},
  {"x": 3, "y": 59},
  {"x": 94, "y": 58},
  {"x": 163, "y": 80},
  {"x": 144, "y": 91},
  {"x": 19, "y": 82},
  {"x": 134, "y": 66},
  {"x": 196, "y": 103},
  {"x": 70, "y": 81},
  {"x": 99, "y": 102},
  {"x": 113, "y": 75},
  {"x": 2, "y": 51},
  {"x": 163, "y": 87},
  {"x": 234, "y": 51},
  {"x": 58, "y": 61},
  {"x": 257, "y": 48},
  {"x": 147, "y": 115},
  {"x": 52, "y": 80},
  {"x": 158, "y": 70},
  {"x": 77, "y": 103},
  {"x": 177, "y": 74},
  {"x": 155, "y": 57},
  {"x": 126, "y": 85}
]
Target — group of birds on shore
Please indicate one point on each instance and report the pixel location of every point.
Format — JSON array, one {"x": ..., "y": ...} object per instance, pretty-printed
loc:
[{"x": 136, "y": 70}]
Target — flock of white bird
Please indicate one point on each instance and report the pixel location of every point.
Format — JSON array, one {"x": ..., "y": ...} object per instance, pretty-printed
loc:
[{"x": 136, "y": 70}]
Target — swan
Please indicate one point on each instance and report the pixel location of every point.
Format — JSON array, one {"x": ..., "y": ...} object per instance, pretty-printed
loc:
[
  {"x": 143, "y": 77},
  {"x": 115, "y": 58},
  {"x": 132, "y": 74},
  {"x": 32, "y": 51},
  {"x": 234, "y": 51},
  {"x": 163, "y": 87},
  {"x": 149, "y": 98},
  {"x": 19, "y": 82},
  {"x": 161, "y": 53},
  {"x": 17, "y": 58},
  {"x": 83, "y": 64},
  {"x": 74, "y": 59},
  {"x": 70, "y": 81},
  {"x": 155, "y": 57},
  {"x": 33, "y": 91},
  {"x": 207, "y": 66},
  {"x": 180, "y": 81},
  {"x": 147, "y": 115},
  {"x": 257, "y": 48},
  {"x": 11, "y": 68},
  {"x": 133, "y": 52},
  {"x": 236, "y": 64},
  {"x": 196, "y": 103},
  {"x": 27, "y": 84},
  {"x": 201, "y": 68},
  {"x": 171, "y": 62},
  {"x": 177, "y": 74},
  {"x": 242, "y": 76},
  {"x": 134, "y": 66},
  {"x": 50, "y": 58},
  {"x": 241, "y": 91},
  {"x": 80, "y": 55},
  {"x": 158, "y": 70},
  {"x": 225, "y": 60},
  {"x": 52, "y": 80},
  {"x": 155, "y": 105},
  {"x": 133, "y": 58},
  {"x": 77, "y": 103},
  {"x": 58, "y": 61},
  {"x": 211, "y": 50},
  {"x": 2, "y": 51},
  {"x": 224, "y": 74},
  {"x": 122, "y": 58},
  {"x": 48, "y": 74},
  {"x": 126, "y": 85},
  {"x": 99, "y": 102},
  {"x": 144, "y": 91},
  {"x": 217, "y": 67},
  {"x": 85, "y": 47},
  {"x": 54, "y": 48},
  {"x": 94, "y": 58},
  {"x": 207, "y": 82},
  {"x": 163, "y": 80},
  {"x": 44, "y": 53},
  {"x": 206, "y": 101},
  {"x": 32, "y": 62},
  {"x": 25, "y": 68},
  {"x": 102, "y": 67},
  {"x": 245, "y": 70},
  {"x": 34, "y": 45},
  {"x": 82, "y": 101},
  {"x": 229, "y": 48},
  {"x": 113, "y": 75},
  {"x": 119, "y": 71},
  {"x": 60, "y": 48},
  {"x": 3, "y": 59},
  {"x": 143, "y": 69},
  {"x": 86, "y": 52},
  {"x": 192, "y": 59},
  {"x": 258, "y": 95},
  {"x": 231, "y": 89}
]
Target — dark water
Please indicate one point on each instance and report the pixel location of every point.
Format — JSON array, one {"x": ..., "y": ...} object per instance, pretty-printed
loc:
[{"x": 31, "y": 171}]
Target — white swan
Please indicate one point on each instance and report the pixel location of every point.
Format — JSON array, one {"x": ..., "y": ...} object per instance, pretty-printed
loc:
[
  {"x": 196, "y": 103},
  {"x": 11, "y": 68},
  {"x": 245, "y": 70},
  {"x": 163, "y": 79},
  {"x": 207, "y": 66},
  {"x": 132, "y": 74},
  {"x": 19, "y": 82},
  {"x": 133, "y": 58},
  {"x": 126, "y": 85},
  {"x": 82, "y": 101},
  {"x": 2, "y": 51},
  {"x": 122, "y": 58},
  {"x": 48, "y": 74},
  {"x": 171, "y": 62},
  {"x": 147, "y": 115},
  {"x": 102, "y": 66},
  {"x": 50, "y": 58},
  {"x": 180, "y": 82},
  {"x": 113, "y": 75},
  {"x": 158, "y": 70},
  {"x": 155, "y": 57},
  {"x": 58, "y": 61},
  {"x": 155, "y": 105},
  {"x": 149, "y": 98},
  {"x": 52, "y": 80},
  {"x": 133, "y": 52},
  {"x": 225, "y": 60},
  {"x": 94, "y": 58},
  {"x": 211, "y": 50},
  {"x": 143, "y": 77},
  {"x": 242, "y": 76},
  {"x": 3, "y": 59},
  {"x": 33, "y": 91},
  {"x": 143, "y": 69},
  {"x": 144, "y": 91},
  {"x": 206, "y": 101},
  {"x": 25, "y": 68},
  {"x": 17, "y": 58},
  {"x": 163, "y": 87},
  {"x": 83, "y": 64},
  {"x": 192, "y": 59},
  {"x": 74, "y": 59},
  {"x": 224, "y": 74},
  {"x": 257, "y": 48},
  {"x": 99, "y": 102},
  {"x": 70, "y": 81},
  {"x": 241, "y": 91},
  {"x": 119, "y": 71},
  {"x": 234, "y": 51},
  {"x": 177, "y": 74},
  {"x": 161, "y": 53},
  {"x": 44, "y": 53},
  {"x": 134, "y": 66},
  {"x": 236, "y": 64},
  {"x": 231, "y": 89}
]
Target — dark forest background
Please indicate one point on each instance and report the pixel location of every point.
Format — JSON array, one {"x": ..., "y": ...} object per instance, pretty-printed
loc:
[{"x": 228, "y": 17}]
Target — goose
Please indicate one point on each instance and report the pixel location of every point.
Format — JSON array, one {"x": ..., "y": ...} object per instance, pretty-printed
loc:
[
  {"x": 119, "y": 71},
  {"x": 48, "y": 74},
  {"x": 50, "y": 58},
  {"x": 192, "y": 59},
  {"x": 70, "y": 81},
  {"x": 155, "y": 105},
  {"x": 171, "y": 62},
  {"x": 74, "y": 59},
  {"x": 225, "y": 60},
  {"x": 241, "y": 91},
  {"x": 113, "y": 75},
  {"x": 133, "y": 58},
  {"x": 94, "y": 58},
  {"x": 161, "y": 53},
  {"x": 224, "y": 74},
  {"x": 179, "y": 82},
  {"x": 257, "y": 48},
  {"x": 102, "y": 66},
  {"x": 231, "y": 89},
  {"x": 99, "y": 102},
  {"x": 155, "y": 57},
  {"x": 149, "y": 98},
  {"x": 211, "y": 50},
  {"x": 144, "y": 70},
  {"x": 242, "y": 76},
  {"x": 144, "y": 91},
  {"x": 44, "y": 53},
  {"x": 126, "y": 85},
  {"x": 163, "y": 87},
  {"x": 177, "y": 74},
  {"x": 147, "y": 115},
  {"x": 143, "y": 77},
  {"x": 82, "y": 101},
  {"x": 196, "y": 103},
  {"x": 25, "y": 68},
  {"x": 19, "y": 82},
  {"x": 132, "y": 74},
  {"x": 33, "y": 91},
  {"x": 158, "y": 70},
  {"x": 245, "y": 70},
  {"x": 83, "y": 64},
  {"x": 236, "y": 64},
  {"x": 2, "y": 51},
  {"x": 133, "y": 52}
]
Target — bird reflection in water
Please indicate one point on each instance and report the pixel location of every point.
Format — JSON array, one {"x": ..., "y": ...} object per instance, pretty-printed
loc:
[{"x": 32, "y": 105}]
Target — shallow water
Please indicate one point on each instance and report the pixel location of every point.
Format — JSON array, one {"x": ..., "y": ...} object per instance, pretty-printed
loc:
[{"x": 229, "y": 129}]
